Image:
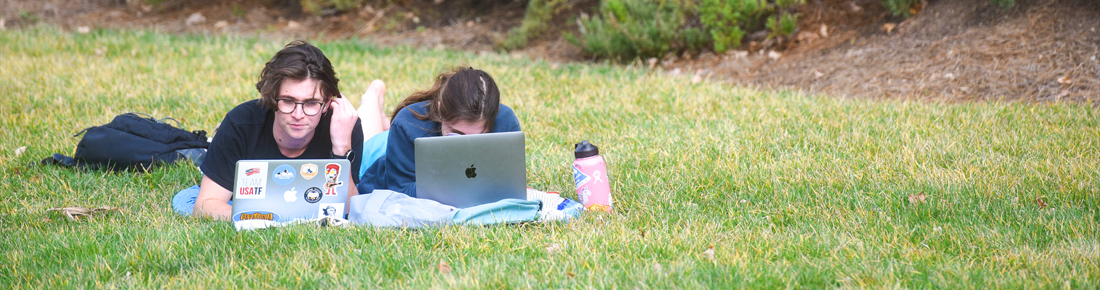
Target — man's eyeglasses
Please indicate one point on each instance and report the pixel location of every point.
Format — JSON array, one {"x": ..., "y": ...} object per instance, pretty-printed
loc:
[{"x": 310, "y": 108}]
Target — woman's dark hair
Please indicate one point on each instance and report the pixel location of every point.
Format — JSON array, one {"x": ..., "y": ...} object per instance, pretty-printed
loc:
[
  {"x": 299, "y": 60},
  {"x": 464, "y": 94}
]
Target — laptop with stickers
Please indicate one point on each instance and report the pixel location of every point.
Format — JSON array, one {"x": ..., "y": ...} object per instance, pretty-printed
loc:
[
  {"x": 468, "y": 170},
  {"x": 269, "y": 192}
]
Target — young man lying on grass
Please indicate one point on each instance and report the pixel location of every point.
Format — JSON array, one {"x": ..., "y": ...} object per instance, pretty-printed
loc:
[{"x": 300, "y": 115}]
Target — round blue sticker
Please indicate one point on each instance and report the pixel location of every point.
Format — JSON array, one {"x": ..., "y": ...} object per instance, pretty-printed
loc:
[{"x": 283, "y": 175}]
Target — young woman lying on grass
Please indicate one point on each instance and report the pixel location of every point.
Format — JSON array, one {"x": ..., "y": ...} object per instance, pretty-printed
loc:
[{"x": 463, "y": 101}]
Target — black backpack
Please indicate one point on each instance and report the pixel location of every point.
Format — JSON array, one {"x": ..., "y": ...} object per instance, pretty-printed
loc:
[{"x": 133, "y": 141}]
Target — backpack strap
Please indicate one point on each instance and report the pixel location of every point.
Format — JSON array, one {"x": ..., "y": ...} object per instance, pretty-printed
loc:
[
  {"x": 59, "y": 159},
  {"x": 82, "y": 131},
  {"x": 164, "y": 121}
]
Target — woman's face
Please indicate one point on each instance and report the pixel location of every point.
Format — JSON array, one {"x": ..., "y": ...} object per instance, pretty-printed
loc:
[{"x": 464, "y": 127}]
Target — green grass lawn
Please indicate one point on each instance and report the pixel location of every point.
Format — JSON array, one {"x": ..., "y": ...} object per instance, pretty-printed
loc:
[{"x": 790, "y": 191}]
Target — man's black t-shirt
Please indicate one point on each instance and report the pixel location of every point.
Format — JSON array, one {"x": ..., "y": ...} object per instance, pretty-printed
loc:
[{"x": 246, "y": 134}]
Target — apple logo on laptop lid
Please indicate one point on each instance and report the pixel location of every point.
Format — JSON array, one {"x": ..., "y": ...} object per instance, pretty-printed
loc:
[{"x": 471, "y": 172}]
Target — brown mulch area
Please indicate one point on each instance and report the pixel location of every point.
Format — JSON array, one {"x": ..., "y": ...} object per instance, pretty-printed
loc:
[
  {"x": 1038, "y": 51},
  {"x": 961, "y": 50}
]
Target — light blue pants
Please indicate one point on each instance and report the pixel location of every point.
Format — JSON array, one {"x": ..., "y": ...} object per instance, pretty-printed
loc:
[
  {"x": 373, "y": 148},
  {"x": 184, "y": 201}
]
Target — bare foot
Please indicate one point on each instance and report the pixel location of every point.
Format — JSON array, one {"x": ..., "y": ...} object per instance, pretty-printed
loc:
[
  {"x": 370, "y": 109},
  {"x": 371, "y": 101}
]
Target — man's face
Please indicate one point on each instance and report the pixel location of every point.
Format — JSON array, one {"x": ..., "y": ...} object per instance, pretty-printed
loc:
[{"x": 297, "y": 126}]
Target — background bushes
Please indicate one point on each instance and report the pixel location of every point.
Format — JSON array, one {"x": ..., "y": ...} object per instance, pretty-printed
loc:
[
  {"x": 318, "y": 7},
  {"x": 628, "y": 29},
  {"x": 624, "y": 30},
  {"x": 535, "y": 22}
]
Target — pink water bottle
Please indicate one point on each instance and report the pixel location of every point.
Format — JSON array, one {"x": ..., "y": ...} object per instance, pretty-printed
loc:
[{"x": 590, "y": 176}]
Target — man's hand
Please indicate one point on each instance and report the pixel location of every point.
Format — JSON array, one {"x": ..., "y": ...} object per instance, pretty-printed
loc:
[{"x": 344, "y": 116}]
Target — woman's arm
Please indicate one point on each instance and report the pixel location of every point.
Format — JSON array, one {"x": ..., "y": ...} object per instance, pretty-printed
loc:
[{"x": 400, "y": 162}]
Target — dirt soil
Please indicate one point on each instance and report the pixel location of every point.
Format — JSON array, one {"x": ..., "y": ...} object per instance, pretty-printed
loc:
[{"x": 1037, "y": 51}]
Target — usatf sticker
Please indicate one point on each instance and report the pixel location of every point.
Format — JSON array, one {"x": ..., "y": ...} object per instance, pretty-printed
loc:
[
  {"x": 251, "y": 180},
  {"x": 250, "y": 192},
  {"x": 309, "y": 170},
  {"x": 283, "y": 175},
  {"x": 332, "y": 179},
  {"x": 313, "y": 195},
  {"x": 256, "y": 215}
]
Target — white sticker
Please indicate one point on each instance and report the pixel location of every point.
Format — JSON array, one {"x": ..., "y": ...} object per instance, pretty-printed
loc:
[
  {"x": 251, "y": 180},
  {"x": 335, "y": 210}
]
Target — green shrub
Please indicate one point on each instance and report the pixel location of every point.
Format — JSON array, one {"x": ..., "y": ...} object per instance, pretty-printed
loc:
[
  {"x": 28, "y": 17},
  {"x": 622, "y": 29},
  {"x": 899, "y": 7},
  {"x": 785, "y": 26},
  {"x": 724, "y": 18},
  {"x": 153, "y": 3},
  {"x": 628, "y": 29},
  {"x": 535, "y": 21},
  {"x": 238, "y": 11},
  {"x": 696, "y": 39},
  {"x": 317, "y": 7},
  {"x": 1005, "y": 4}
]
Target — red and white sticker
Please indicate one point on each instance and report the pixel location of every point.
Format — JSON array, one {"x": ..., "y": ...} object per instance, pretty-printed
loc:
[{"x": 251, "y": 181}]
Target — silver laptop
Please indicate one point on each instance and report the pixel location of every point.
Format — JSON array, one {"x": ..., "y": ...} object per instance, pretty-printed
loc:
[
  {"x": 468, "y": 170},
  {"x": 268, "y": 192}
]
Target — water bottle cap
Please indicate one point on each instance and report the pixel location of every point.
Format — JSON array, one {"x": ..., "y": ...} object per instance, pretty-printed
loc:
[{"x": 585, "y": 150}]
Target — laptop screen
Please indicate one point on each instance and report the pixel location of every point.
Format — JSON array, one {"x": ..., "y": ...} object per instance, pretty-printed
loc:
[
  {"x": 469, "y": 170},
  {"x": 273, "y": 191}
]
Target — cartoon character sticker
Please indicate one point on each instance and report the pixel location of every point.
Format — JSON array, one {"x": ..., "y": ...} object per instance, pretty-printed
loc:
[
  {"x": 331, "y": 210},
  {"x": 309, "y": 170},
  {"x": 313, "y": 195},
  {"x": 332, "y": 177},
  {"x": 251, "y": 180},
  {"x": 283, "y": 175}
]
